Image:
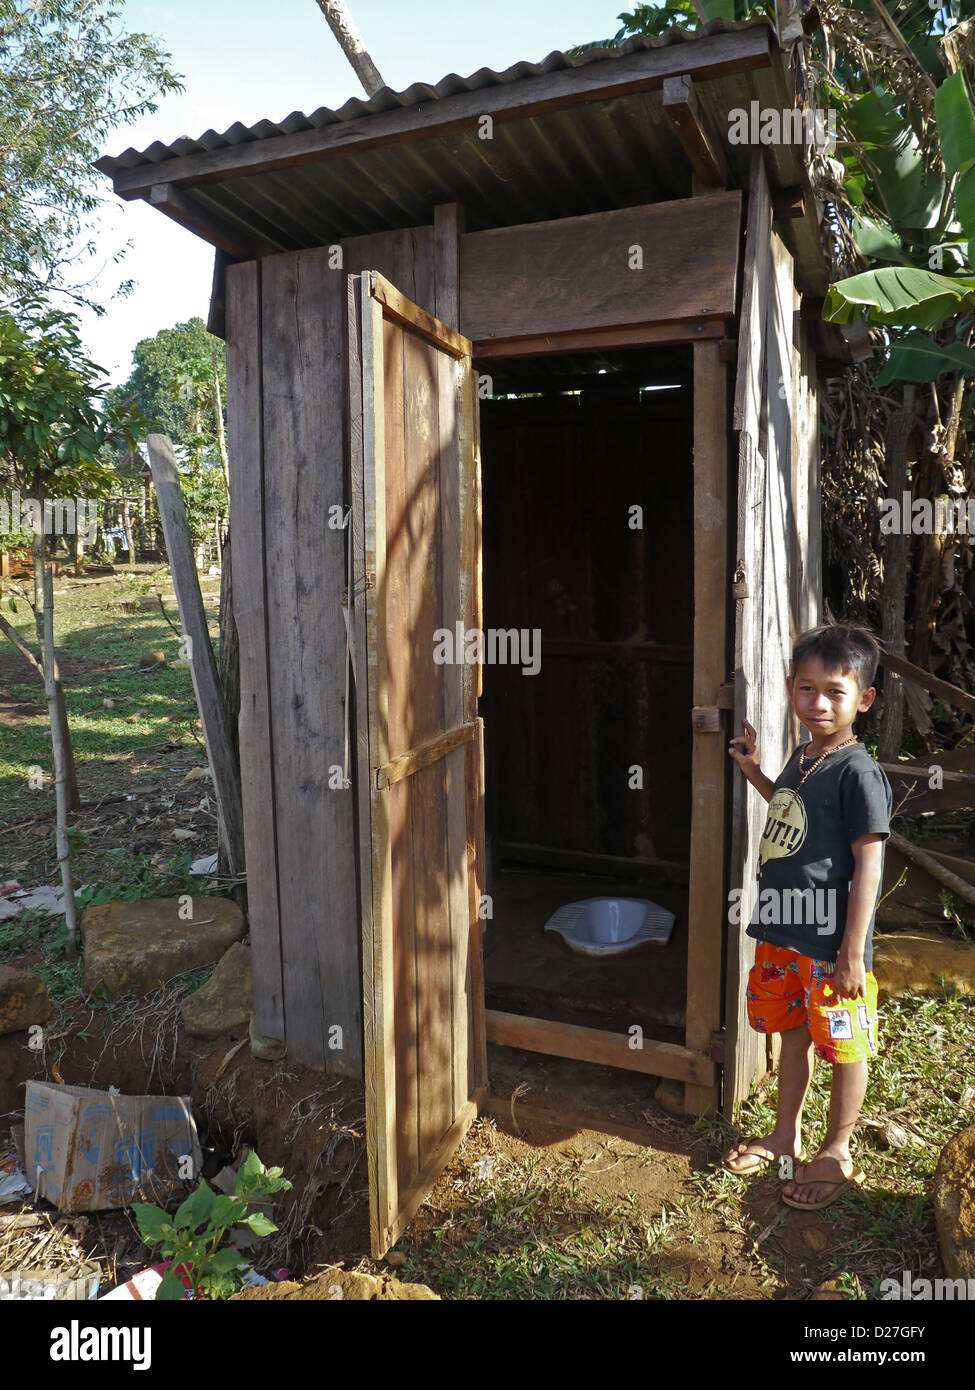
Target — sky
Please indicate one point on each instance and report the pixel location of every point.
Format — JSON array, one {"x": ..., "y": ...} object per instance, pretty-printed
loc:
[{"x": 247, "y": 60}]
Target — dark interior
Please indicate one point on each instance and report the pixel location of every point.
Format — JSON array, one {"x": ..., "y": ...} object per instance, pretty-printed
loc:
[{"x": 561, "y": 469}]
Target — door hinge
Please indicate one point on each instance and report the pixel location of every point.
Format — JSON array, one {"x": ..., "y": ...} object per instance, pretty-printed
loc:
[
  {"x": 726, "y": 696},
  {"x": 716, "y": 1048}
]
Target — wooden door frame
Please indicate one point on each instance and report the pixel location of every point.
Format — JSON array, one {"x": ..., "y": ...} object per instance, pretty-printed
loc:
[{"x": 693, "y": 1063}]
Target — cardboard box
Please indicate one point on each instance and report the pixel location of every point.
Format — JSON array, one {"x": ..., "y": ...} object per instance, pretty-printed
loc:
[{"x": 86, "y": 1150}]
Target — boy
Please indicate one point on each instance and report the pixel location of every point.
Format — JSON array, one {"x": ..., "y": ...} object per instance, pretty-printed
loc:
[{"x": 821, "y": 866}]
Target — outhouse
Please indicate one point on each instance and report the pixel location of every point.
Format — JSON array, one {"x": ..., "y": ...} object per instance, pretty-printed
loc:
[{"x": 524, "y": 468}]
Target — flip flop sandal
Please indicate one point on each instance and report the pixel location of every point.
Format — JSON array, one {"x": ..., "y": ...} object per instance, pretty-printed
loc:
[
  {"x": 840, "y": 1184},
  {"x": 756, "y": 1150}
]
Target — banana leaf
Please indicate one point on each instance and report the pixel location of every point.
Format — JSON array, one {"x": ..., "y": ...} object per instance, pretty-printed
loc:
[
  {"x": 901, "y": 296},
  {"x": 919, "y": 358},
  {"x": 956, "y": 124}
]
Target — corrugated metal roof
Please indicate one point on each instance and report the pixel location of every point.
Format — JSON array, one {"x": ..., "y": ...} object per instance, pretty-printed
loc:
[
  {"x": 388, "y": 100},
  {"x": 601, "y": 153}
]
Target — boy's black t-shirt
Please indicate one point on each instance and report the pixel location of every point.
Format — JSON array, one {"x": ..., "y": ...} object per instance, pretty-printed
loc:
[{"x": 806, "y": 859}]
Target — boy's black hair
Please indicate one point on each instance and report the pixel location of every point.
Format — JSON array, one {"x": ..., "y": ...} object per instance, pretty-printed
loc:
[{"x": 845, "y": 647}]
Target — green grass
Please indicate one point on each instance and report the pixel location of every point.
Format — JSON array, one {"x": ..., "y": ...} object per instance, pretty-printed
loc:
[
  {"x": 534, "y": 1235},
  {"x": 91, "y": 625}
]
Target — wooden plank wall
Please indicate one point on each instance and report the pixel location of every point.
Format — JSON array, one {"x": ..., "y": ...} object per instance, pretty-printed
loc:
[
  {"x": 575, "y": 273},
  {"x": 602, "y": 595},
  {"x": 779, "y": 546},
  {"x": 245, "y": 434},
  {"x": 782, "y": 546},
  {"x": 745, "y": 1051}
]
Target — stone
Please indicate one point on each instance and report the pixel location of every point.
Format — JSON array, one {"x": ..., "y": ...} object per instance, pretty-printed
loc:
[
  {"x": 23, "y": 999},
  {"x": 669, "y": 1095},
  {"x": 953, "y": 1198},
  {"x": 151, "y": 660},
  {"x": 225, "y": 1002},
  {"x": 830, "y": 1291},
  {"x": 338, "y": 1285},
  {"x": 139, "y": 946},
  {"x": 264, "y": 1048},
  {"x": 918, "y": 962},
  {"x": 814, "y": 1239}
]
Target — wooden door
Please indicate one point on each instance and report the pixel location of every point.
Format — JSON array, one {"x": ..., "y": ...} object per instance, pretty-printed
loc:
[{"x": 415, "y": 576}]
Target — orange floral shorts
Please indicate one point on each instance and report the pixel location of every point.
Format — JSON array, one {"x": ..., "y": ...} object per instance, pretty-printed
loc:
[{"x": 786, "y": 990}]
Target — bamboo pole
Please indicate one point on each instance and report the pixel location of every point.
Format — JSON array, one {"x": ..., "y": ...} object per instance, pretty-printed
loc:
[{"x": 60, "y": 767}]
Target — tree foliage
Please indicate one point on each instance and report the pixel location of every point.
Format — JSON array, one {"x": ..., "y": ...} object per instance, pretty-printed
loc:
[
  {"x": 57, "y": 429},
  {"x": 69, "y": 74},
  {"x": 178, "y": 382}
]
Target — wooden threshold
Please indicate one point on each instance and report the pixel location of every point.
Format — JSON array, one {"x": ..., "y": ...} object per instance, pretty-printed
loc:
[{"x": 605, "y": 1049}]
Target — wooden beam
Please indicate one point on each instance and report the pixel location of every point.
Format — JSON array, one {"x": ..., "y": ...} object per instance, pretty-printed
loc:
[
  {"x": 653, "y": 264},
  {"x": 396, "y": 306},
  {"x": 910, "y": 770},
  {"x": 203, "y": 668},
  {"x": 650, "y": 652},
  {"x": 599, "y": 339},
  {"x": 189, "y": 214},
  {"x": 938, "y": 872},
  {"x": 788, "y": 203},
  {"x": 596, "y": 1045},
  {"x": 416, "y": 759},
  {"x": 707, "y": 907},
  {"x": 948, "y": 692},
  {"x": 217, "y": 317},
  {"x": 646, "y": 71},
  {"x": 704, "y": 150},
  {"x": 655, "y": 870}
]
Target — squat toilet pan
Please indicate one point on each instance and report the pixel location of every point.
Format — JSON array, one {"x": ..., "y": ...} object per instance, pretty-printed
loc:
[{"x": 610, "y": 926}]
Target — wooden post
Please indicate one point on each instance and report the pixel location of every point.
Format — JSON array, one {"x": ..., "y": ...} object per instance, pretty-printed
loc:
[
  {"x": 226, "y": 775},
  {"x": 60, "y": 765},
  {"x": 707, "y": 904}
]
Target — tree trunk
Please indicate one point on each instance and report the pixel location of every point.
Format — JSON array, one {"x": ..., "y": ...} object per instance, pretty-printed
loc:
[
  {"x": 218, "y": 424},
  {"x": 60, "y": 712},
  {"x": 127, "y": 529},
  {"x": 931, "y": 547},
  {"x": 894, "y": 592},
  {"x": 344, "y": 28},
  {"x": 61, "y": 751}
]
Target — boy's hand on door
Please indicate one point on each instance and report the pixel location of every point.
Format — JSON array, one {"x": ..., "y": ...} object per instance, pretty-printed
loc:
[{"x": 746, "y": 755}]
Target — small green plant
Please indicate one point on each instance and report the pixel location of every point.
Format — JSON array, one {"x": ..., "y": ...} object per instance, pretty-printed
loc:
[
  {"x": 951, "y": 909},
  {"x": 191, "y": 1237}
]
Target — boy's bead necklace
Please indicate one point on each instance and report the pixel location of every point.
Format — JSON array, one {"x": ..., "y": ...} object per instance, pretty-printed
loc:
[{"x": 810, "y": 770}]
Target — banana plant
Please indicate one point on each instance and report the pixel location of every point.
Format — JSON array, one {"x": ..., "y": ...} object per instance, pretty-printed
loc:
[{"x": 914, "y": 178}]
